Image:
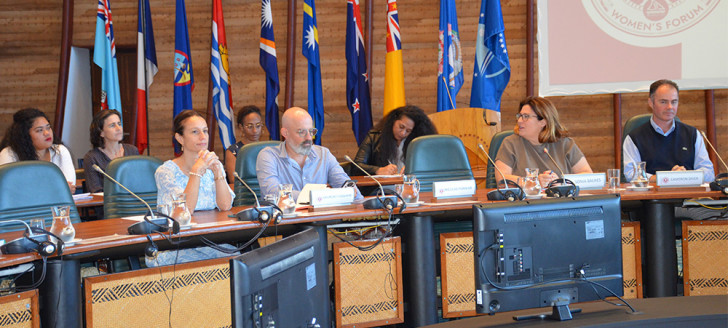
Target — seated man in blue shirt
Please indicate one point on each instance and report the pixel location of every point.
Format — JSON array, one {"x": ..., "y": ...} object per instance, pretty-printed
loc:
[
  {"x": 665, "y": 144},
  {"x": 297, "y": 160}
]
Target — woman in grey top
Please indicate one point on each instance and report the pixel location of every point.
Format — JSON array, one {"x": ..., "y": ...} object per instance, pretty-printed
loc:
[
  {"x": 538, "y": 128},
  {"x": 106, "y": 134}
]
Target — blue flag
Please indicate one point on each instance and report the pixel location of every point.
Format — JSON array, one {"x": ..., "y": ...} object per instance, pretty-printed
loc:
[
  {"x": 184, "y": 82},
  {"x": 357, "y": 76},
  {"x": 310, "y": 49},
  {"x": 105, "y": 57},
  {"x": 492, "y": 68},
  {"x": 269, "y": 63},
  {"x": 450, "y": 66}
]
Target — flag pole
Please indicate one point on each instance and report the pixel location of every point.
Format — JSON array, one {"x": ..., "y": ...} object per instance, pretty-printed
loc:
[
  {"x": 146, "y": 84},
  {"x": 448, "y": 92}
]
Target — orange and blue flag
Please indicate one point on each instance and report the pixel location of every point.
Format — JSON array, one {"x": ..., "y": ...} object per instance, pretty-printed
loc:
[
  {"x": 450, "y": 64},
  {"x": 146, "y": 69},
  {"x": 222, "y": 100},
  {"x": 105, "y": 57},
  {"x": 269, "y": 63},
  {"x": 393, "y": 71},
  {"x": 184, "y": 81},
  {"x": 492, "y": 67},
  {"x": 310, "y": 49},
  {"x": 357, "y": 76}
]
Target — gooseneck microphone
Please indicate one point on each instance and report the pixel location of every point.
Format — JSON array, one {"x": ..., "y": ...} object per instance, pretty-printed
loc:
[
  {"x": 721, "y": 180},
  {"x": 567, "y": 187},
  {"x": 383, "y": 201},
  {"x": 149, "y": 225},
  {"x": 258, "y": 213},
  {"x": 509, "y": 194}
]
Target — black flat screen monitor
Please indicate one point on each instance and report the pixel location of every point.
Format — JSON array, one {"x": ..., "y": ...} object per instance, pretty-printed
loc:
[
  {"x": 283, "y": 284},
  {"x": 529, "y": 254}
]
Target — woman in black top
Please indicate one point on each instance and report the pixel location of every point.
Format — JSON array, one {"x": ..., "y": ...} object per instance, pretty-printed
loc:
[
  {"x": 250, "y": 123},
  {"x": 384, "y": 149},
  {"x": 106, "y": 134}
]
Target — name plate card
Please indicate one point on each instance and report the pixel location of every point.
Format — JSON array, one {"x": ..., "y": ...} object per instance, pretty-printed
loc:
[
  {"x": 588, "y": 180},
  {"x": 693, "y": 178},
  {"x": 453, "y": 189},
  {"x": 332, "y": 197}
]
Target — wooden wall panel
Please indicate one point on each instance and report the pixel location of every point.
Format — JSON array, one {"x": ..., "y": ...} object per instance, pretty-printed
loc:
[{"x": 31, "y": 36}]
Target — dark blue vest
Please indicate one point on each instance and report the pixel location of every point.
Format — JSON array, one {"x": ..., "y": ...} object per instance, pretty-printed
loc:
[{"x": 663, "y": 152}]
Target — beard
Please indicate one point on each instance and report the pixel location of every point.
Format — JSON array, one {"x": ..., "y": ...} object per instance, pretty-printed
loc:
[{"x": 303, "y": 148}]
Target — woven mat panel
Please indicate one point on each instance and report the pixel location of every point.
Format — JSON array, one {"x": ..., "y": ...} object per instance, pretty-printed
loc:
[
  {"x": 631, "y": 285},
  {"x": 458, "y": 274},
  {"x": 199, "y": 293},
  {"x": 705, "y": 257},
  {"x": 16, "y": 310},
  {"x": 368, "y": 284}
]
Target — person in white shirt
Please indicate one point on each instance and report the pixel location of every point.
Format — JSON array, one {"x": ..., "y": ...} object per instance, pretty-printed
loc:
[{"x": 30, "y": 137}]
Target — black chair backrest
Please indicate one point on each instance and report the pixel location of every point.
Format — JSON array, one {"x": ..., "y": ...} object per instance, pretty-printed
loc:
[
  {"x": 631, "y": 124},
  {"x": 495, "y": 144},
  {"x": 245, "y": 166},
  {"x": 439, "y": 157},
  {"x": 29, "y": 189},
  {"x": 137, "y": 174}
]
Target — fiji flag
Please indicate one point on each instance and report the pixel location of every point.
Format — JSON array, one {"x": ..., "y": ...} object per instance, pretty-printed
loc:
[
  {"x": 269, "y": 63},
  {"x": 311, "y": 52},
  {"x": 184, "y": 82},
  {"x": 357, "y": 76},
  {"x": 222, "y": 100},
  {"x": 450, "y": 67},
  {"x": 492, "y": 68},
  {"x": 146, "y": 69},
  {"x": 393, "y": 71},
  {"x": 105, "y": 57}
]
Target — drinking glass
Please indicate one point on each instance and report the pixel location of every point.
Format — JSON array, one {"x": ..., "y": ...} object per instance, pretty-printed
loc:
[
  {"x": 180, "y": 211},
  {"x": 285, "y": 198},
  {"x": 165, "y": 209},
  {"x": 614, "y": 179},
  {"x": 410, "y": 189},
  {"x": 62, "y": 226},
  {"x": 37, "y": 223},
  {"x": 530, "y": 185}
]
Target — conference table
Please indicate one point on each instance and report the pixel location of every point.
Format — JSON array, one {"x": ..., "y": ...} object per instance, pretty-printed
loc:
[{"x": 108, "y": 238}]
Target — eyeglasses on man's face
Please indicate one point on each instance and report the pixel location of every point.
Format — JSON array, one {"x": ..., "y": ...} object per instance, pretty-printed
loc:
[
  {"x": 525, "y": 117},
  {"x": 302, "y": 132}
]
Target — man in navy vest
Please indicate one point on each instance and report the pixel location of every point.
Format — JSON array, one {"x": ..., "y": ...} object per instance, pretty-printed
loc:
[{"x": 665, "y": 143}]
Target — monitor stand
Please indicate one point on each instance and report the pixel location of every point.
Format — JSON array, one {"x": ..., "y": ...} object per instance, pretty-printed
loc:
[{"x": 559, "y": 311}]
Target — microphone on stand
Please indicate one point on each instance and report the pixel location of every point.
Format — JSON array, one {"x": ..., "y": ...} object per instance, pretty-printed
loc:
[
  {"x": 383, "y": 201},
  {"x": 567, "y": 187},
  {"x": 721, "y": 180},
  {"x": 258, "y": 213},
  {"x": 149, "y": 225},
  {"x": 509, "y": 194}
]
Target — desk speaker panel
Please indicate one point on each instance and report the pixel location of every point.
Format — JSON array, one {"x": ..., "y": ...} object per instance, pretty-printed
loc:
[
  {"x": 198, "y": 294},
  {"x": 368, "y": 284},
  {"x": 20, "y": 310},
  {"x": 705, "y": 257},
  {"x": 631, "y": 260}
]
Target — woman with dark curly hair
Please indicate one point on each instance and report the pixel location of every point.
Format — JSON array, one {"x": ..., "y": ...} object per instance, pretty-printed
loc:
[
  {"x": 249, "y": 121},
  {"x": 384, "y": 149},
  {"x": 30, "y": 138},
  {"x": 106, "y": 134}
]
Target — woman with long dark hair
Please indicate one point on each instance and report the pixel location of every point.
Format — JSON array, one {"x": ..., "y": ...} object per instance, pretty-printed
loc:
[
  {"x": 384, "y": 149},
  {"x": 30, "y": 138},
  {"x": 106, "y": 134}
]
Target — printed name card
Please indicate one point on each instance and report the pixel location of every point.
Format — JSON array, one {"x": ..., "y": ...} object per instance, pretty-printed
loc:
[
  {"x": 332, "y": 197},
  {"x": 679, "y": 178},
  {"x": 588, "y": 180},
  {"x": 453, "y": 189}
]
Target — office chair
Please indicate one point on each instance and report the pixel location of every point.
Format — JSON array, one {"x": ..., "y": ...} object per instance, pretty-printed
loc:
[
  {"x": 439, "y": 157},
  {"x": 28, "y": 189},
  {"x": 245, "y": 166},
  {"x": 137, "y": 174},
  {"x": 495, "y": 144}
]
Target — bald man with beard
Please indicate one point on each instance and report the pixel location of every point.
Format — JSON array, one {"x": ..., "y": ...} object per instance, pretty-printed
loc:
[{"x": 297, "y": 161}]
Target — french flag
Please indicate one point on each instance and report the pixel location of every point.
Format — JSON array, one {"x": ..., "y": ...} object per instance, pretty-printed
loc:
[{"x": 146, "y": 69}]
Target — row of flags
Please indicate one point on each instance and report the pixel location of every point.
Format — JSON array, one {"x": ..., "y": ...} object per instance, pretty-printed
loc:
[{"x": 491, "y": 71}]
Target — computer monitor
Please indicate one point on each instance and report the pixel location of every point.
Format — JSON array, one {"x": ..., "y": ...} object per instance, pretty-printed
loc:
[
  {"x": 529, "y": 254},
  {"x": 281, "y": 285}
]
